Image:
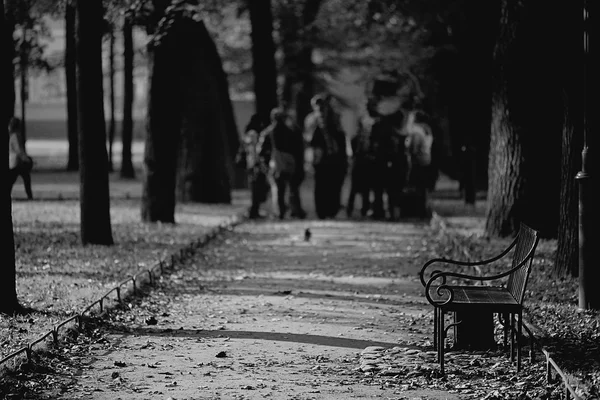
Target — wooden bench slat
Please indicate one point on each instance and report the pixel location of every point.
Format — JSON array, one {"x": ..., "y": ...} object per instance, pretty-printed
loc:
[{"x": 476, "y": 295}]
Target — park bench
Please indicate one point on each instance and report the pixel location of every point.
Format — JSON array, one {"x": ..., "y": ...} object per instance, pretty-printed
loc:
[{"x": 467, "y": 295}]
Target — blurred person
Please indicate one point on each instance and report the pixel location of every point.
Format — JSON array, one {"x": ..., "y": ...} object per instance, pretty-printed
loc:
[
  {"x": 362, "y": 168},
  {"x": 283, "y": 149},
  {"x": 296, "y": 209},
  {"x": 330, "y": 161},
  {"x": 19, "y": 162},
  {"x": 423, "y": 172},
  {"x": 248, "y": 157},
  {"x": 391, "y": 166},
  {"x": 312, "y": 119}
]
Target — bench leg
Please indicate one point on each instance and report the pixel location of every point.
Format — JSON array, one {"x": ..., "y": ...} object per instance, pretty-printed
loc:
[
  {"x": 519, "y": 332},
  {"x": 505, "y": 328},
  {"x": 512, "y": 338},
  {"x": 435, "y": 328},
  {"x": 441, "y": 346}
]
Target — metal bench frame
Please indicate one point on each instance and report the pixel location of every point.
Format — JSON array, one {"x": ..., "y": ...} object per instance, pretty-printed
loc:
[{"x": 506, "y": 300}]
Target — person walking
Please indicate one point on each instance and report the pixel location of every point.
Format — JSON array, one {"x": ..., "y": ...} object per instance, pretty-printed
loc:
[
  {"x": 256, "y": 170},
  {"x": 283, "y": 149},
  {"x": 362, "y": 168},
  {"x": 19, "y": 162},
  {"x": 330, "y": 161}
]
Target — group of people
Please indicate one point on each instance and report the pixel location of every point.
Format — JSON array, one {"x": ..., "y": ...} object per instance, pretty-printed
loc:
[
  {"x": 392, "y": 168},
  {"x": 390, "y": 153}
]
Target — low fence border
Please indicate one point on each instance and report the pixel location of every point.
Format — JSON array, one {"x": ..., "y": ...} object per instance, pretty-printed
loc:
[{"x": 161, "y": 266}]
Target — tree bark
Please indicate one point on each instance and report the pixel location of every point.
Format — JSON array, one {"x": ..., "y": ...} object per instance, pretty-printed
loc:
[
  {"x": 94, "y": 188},
  {"x": 163, "y": 127},
  {"x": 524, "y": 168},
  {"x": 475, "y": 37},
  {"x": 299, "y": 84},
  {"x": 506, "y": 166},
  {"x": 8, "y": 289},
  {"x": 209, "y": 140},
  {"x": 127, "y": 170},
  {"x": 71, "y": 82},
  {"x": 263, "y": 57},
  {"x": 111, "y": 74},
  {"x": 566, "y": 261}
]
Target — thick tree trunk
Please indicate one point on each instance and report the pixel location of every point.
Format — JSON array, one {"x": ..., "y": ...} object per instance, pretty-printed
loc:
[
  {"x": 111, "y": 75},
  {"x": 209, "y": 140},
  {"x": 524, "y": 167},
  {"x": 71, "y": 83},
  {"x": 472, "y": 112},
  {"x": 567, "y": 255},
  {"x": 589, "y": 271},
  {"x": 162, "y": 133},
  {"x": 8, "y": 298},
  {"x": 506, "y": 176},
  {"x": 94, "y": 188},
  {"x": 263, "y": 57},
  {"x": 127, "y": 170},
  {"x": 299, "y": 84}
]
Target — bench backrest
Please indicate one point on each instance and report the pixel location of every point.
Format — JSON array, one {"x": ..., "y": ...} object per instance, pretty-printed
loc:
[{"x": 524, "y": 251}]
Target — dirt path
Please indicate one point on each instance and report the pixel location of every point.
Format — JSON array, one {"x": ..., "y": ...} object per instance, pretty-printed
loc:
[{"x": 263, "y": 313}]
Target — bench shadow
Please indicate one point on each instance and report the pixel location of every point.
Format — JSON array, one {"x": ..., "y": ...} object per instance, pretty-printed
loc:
[{"x": 321, "y": 340}]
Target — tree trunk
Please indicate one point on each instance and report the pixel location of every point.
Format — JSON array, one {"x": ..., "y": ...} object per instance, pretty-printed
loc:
[
  {"x": 209, "y": 140},
  {"x": 475, "y": 38},
  {"x": 567, "y": 255},
  {"x": 8, "y": 289},
  {"x": 163, "y": 127},
  {"x": 94, "y": 188},
  {"x": 263, "y": 57},
  {"x": 524, "y": 180},
  {"x": 111, "y": 74},
  {"x": 475, "y": 331},
  {"x": 24, "y": 66},
  {"x": 71, "y": 82},
  {"x": 299, "y": 83},
  {"x": 506, "y": 166},
  {"x": 589, "y": 272},
  {"x": 127, "y": 170}
]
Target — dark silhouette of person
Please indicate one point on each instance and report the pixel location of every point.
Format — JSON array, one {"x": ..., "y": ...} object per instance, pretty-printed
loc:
[
  {"x": 389, "y": 146},
  {"x": 256, "y": 169},
  {"x": 422, "y": 171},
  {"x": 330, "y": 161},
  {"x": 296, "y": 209},
  {"x": 19, "y": 162},
  {"x": 283, "y": 148},
  {"x": 362, "y": 169}
]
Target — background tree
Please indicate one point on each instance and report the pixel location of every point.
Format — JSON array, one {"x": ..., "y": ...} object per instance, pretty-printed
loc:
[
  {"x": 570, "y": 80},
  {"x": 162, "y": 125},
  {"x": 9, "y": 303},
  {"x": 524, "y": 181},
  {"x": 296, "y": 40},
  {"x": 209, "y": 139},
  {"x": 71, "y": 85},
  {"x": 191, "y": 132},
  {"x": 94, "y": 188},
  {"x": 127, "y": 170},
  {"x": 112, "y": 119},
  {"x": 264, "y": 68}
]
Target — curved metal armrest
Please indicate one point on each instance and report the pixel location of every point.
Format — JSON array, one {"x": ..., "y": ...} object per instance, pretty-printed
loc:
[
  {"x": 442, "y": 291},
  {"x": 442, "y": 275},
  {"x": 460, "y": 263}
]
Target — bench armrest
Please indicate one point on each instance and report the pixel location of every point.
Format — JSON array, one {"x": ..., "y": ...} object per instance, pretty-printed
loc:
[
  {"x": 447, "y": 261},
  {"x": 438, "y": 280}
]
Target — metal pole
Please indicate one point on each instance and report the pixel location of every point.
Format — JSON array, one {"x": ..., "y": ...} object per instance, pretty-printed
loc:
[{"x": 584, "y": 180}]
